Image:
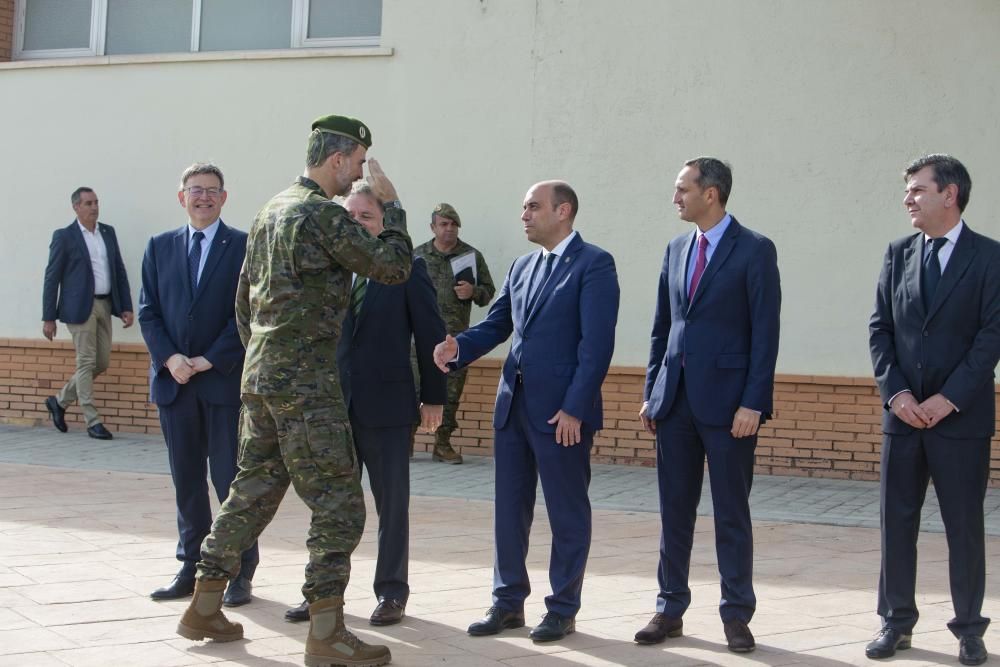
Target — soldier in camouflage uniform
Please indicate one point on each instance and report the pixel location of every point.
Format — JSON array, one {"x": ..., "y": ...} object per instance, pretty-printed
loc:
[
  {"x": 455, "y": 298},
  {"x": 292, "y": 297}
]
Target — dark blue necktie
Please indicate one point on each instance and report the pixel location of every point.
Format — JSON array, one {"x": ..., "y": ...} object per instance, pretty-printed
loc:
[
  {"x": 540, "y": 280},
  {"x": 930, "y": 276},
  {"x": 194, "y": 259}
]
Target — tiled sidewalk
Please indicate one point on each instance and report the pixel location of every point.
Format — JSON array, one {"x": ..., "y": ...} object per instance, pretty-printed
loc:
[{"x": 82, "y": 544}]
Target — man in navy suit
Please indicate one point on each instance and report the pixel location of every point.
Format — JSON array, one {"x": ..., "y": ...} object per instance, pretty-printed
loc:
[
  {"x": 373, "y": 356},
  {"x": 85, "y": 284},
  {"x": 188, "y": 319},
  {"x": 709, "y": 386},
  {"x": 935, "y": 344},
  {"x": 561, "y": 305}
]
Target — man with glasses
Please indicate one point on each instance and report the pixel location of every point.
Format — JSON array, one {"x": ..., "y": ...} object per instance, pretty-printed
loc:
[{"x": 188, "y": 319}]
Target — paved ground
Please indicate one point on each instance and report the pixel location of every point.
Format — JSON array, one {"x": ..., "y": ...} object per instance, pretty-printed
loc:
[{"x": 87, "y": 530}]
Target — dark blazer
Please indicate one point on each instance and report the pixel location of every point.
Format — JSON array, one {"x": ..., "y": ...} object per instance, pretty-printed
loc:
[
  {"x": 953, "y": 348},
  {"x": 68, "y": 290},
  {"x": 726, "y": 339},
  {"x": 563, "y": 346},
  {"x": 374, "y": 352},
  {"x": 204, "y": 324}
]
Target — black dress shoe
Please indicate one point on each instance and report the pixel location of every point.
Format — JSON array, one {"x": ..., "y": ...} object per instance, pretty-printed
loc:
[
  {"x": 238, "y": 593},
  {"x": 886, "y": 642},
  {"x": 298, "y": 614},
  {"x": 388, "y": 612},
  {"x": 552, "y": 628},
  {"x": 971, "y": 650},
  {"x": 98, "y": 431},
  {"x": 181, "y": 587},
  {"x": 496, "y": 619},
  {"x": 57, "y": 413},
  {"x": 659, "y": 628},
  {"x": 739, "y": 639}
]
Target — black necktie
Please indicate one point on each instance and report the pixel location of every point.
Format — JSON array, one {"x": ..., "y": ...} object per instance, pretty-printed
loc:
[
  {"x": 358, "y": 294},
  {"x": 540, "y": 281},
  {"x": 931, "y": 274},
  {"x": 194, "y": 259}
]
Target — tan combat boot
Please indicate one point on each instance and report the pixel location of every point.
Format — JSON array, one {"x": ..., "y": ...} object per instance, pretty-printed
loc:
[
  {"x": 204, "y": 619},
  {"x": 331, "y": 644},
  {"x": 443, "y": 451}
]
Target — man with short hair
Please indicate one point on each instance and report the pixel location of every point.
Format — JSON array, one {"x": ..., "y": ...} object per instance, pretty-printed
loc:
[
  {"x": 560, "y": 304},
  {"x": 709, "y": 387},
  {"x": 188, "y": 320},
  {"x": 85, "y": 284},
  {"x": 935, "y": 345},
  {"x": 455, "y": 296},
  {"x": 294, "y": 291}
]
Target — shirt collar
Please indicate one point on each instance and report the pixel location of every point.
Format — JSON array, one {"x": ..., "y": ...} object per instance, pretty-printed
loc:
[
  {"x": 716, "y": 233},
  {"x": 83, "y": 229},
  {"x": 209, "y": 231},
  {"x": 560, "y": 249},
  {"x": 952, "y": 235}
]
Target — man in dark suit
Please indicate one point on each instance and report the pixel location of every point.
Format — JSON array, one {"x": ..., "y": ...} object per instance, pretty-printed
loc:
[
  {"x": 85, "y": 284},
  {"x": 935, "y": 344},
  {"x": 709, "y": 386},
  {"x": 561, "y": 305},
  {"x": 373, "y": 356},
  {"x": 188, "y": 319}
]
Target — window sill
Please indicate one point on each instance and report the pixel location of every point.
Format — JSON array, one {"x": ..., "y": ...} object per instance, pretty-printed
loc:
[{"x": 203, "y": 56}]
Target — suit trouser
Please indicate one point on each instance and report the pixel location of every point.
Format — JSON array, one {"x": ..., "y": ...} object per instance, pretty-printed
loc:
[
  {"x": 523, "y": 455},
  {"x": 385, "y": 454},
  {"x": 960, "y": 471},
  {"x": 306, "y": 442},
  {"x": 682, "y": 445},
  {"x": 201, "y": 438},
  {"x": 92, "y": 341}
]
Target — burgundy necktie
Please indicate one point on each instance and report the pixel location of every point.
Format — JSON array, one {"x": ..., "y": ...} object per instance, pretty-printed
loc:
[{"x": 699, "y": 266}]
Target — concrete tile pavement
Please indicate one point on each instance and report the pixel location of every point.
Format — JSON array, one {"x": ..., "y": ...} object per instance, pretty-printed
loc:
[{"x": 87, "y": 535}]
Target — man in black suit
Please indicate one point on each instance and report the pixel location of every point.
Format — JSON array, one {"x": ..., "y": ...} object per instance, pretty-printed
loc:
[
  {"x": 85, "y": 284},
  {"x": 935, "y": 344},
  {"x": 187, "y": 315},
  {"x": 377, "y": 379}
]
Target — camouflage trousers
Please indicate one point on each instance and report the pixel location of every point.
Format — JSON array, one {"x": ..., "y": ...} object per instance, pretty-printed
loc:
[
  {"x": 449, "y": 422},
  {"x": 307, "y": 443}
]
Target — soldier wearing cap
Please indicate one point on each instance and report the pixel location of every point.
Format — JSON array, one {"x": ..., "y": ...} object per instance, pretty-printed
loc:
[
  {"x": 293, "y": 294},
  {"x": 455, "y": 294}
]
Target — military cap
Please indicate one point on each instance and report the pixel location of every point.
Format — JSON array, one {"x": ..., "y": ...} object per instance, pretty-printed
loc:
[
  {"x": 448, "y": 211},
  {"x": 345, "y": 126}
]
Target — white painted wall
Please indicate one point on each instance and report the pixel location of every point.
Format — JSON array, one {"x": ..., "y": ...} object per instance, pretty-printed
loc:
[{"x": 818, "y": 104}]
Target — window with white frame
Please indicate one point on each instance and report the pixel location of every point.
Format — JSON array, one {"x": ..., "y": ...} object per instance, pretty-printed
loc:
[{"x": 75, "y": 28}]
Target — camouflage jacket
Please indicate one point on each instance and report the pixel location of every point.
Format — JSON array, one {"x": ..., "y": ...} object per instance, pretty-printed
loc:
[
  {"x": 455, "y": 311},
  {"x": 294, "y": 288}
]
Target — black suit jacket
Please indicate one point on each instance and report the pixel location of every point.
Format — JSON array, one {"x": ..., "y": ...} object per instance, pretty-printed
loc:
[
  {"x": 68, "y": 290},
  {"x": 952, "y": 348},
  {"x": 203, "y": 324},
  {"x": 374, "y": 352}
]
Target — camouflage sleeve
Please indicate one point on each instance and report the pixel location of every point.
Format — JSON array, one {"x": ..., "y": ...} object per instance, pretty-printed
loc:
[
  {"x": 243, "y": 303},
  {"x": 484, "y": 290},
  {"x": 386, "y": 259}
]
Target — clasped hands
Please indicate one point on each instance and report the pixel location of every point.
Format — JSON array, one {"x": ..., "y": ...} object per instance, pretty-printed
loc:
[
  {"x": 921, "y": 415},
  {"x": 183, "y": 368}
]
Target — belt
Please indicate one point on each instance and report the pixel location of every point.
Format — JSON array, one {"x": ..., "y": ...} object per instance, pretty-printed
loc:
[{"x": 102, "y": 296}]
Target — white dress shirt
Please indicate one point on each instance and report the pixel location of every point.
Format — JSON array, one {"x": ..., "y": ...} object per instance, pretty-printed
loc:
[
  {"x": 206, "y": 243},
  {"x": 98, "y": 252}
]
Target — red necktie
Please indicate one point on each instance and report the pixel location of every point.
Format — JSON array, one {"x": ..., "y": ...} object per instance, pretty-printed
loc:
[{"x": 699, "y": 266}]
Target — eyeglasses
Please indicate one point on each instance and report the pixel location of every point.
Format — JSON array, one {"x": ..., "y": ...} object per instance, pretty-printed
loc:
[{"x": 198, "y": 191}]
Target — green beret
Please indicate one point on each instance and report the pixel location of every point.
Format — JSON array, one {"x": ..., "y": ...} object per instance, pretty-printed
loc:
[
  {"x": 448, "y": 211},
  {"x": 346, "y": 127}
]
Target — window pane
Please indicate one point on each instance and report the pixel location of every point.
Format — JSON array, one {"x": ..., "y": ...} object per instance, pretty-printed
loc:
[
  {"x": 56, "y": 24},
  {"x": 140, "y": 26},
  {"x": 345, "y": 18},
  {"x": 239, "y": 25}
]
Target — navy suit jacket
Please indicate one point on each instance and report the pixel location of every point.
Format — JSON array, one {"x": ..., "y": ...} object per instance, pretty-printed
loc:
[
  {"x": 563, "y": 346},
  {"x": 374, "y": 352},
  {"x": 173, "y": 320},
  {"x": 68, "y": 290},
  {"x": 726, "y": 338},
  {"x": 952, "y": 348}
]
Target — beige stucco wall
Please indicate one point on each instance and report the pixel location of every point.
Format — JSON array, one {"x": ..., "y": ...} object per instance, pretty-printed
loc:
[{"x": 817, "y": 103}]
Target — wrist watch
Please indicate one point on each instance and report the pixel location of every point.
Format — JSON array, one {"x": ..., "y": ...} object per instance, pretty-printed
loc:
[{"x": 394, "y": 203}]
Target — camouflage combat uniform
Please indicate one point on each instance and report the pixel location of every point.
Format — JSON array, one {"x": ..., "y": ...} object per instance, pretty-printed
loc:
[
  {"x": 456, "y": 314},
  {"x": 293, "y": 294}
]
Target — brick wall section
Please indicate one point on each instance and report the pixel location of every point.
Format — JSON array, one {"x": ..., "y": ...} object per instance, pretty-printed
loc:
[
  {"x": 823, "y": 426},
  {"x": 6, "y": 29}
]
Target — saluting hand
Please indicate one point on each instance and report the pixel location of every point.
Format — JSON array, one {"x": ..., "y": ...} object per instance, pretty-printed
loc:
[
  {"x": 379, "y": 182},
  {"x": 444, "y": 352}
]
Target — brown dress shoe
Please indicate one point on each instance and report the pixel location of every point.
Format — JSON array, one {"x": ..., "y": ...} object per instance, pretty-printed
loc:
[
  {"x": 388, "y": 612},
  {"x": 659, "y": 628},
  {"x": 738, "y": 636}
]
